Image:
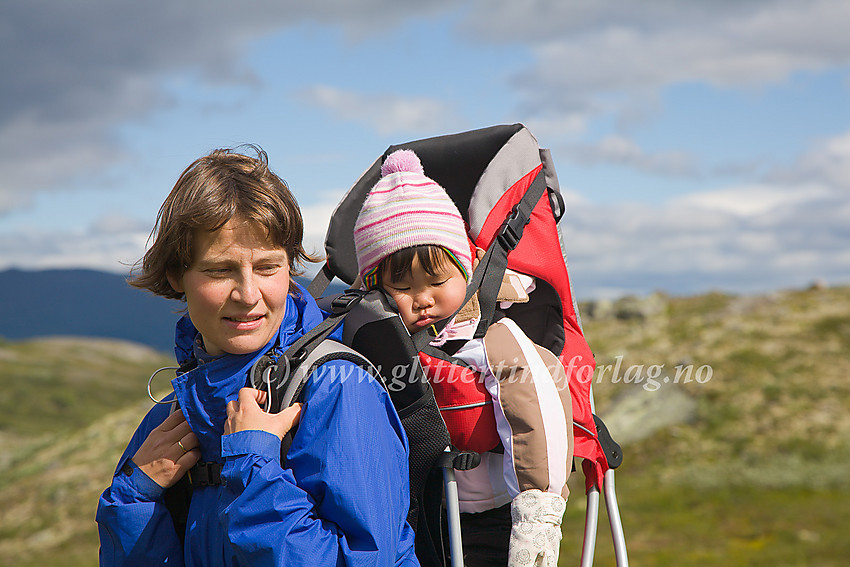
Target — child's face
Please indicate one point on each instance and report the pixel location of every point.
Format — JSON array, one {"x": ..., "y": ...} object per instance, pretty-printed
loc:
[
  {"x": 423, "y": 298},
  {"x": 236, "y": 288}
]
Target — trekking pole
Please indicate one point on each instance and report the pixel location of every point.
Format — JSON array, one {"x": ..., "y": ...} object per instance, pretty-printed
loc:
[
  {"x": 453, "y": 514},
  {"x": 455, "y": 540},
  {"x": 591, "y": 518},
  {"x": 614, "y": 520}
]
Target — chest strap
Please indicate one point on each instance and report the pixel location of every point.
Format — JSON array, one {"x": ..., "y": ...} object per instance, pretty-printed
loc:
[{"x": 206, "y": 474}]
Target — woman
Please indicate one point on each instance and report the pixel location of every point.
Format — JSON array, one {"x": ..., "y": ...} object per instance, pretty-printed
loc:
[{"x": 228, "y": 240}]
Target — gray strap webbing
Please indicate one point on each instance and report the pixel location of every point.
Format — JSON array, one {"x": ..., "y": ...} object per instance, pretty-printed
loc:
[{"x": 325, "y": 351}]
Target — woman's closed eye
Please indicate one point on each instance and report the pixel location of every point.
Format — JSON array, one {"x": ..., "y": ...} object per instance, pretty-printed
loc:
[{"x": 268, "y": 269}]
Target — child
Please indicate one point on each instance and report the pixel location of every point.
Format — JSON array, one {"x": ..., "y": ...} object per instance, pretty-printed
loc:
[
  {"x": 227, "y": 242},
  {"x": 411, "y": 241}
]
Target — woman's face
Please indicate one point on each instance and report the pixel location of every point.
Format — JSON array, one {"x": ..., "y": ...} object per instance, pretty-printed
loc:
[{"x": 236, "y": 287}]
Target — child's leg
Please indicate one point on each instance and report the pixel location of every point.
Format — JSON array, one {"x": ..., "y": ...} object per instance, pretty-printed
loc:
[{"x": 485, "y": 537}]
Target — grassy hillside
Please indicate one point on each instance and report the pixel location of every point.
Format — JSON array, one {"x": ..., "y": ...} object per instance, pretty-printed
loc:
[
  {"x": 747, "y": 465},
  {"x": 744, "y": 461},
  {"x": 67, "y": 411}
]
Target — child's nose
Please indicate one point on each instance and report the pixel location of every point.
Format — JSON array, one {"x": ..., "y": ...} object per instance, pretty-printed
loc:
[{"x": 423, "y": 300}]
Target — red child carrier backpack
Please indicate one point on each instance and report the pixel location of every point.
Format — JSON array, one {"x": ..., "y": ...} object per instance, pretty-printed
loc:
[
  {"x": 506, "y": 188},
  {"x": 464, "y": 403}
]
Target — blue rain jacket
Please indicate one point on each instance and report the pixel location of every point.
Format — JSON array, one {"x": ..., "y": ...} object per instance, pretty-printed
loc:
[{"x": 342, "y": 498}]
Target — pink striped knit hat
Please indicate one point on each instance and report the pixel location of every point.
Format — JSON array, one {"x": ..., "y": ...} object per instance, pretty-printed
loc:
[{"x": 404, "y": 209}]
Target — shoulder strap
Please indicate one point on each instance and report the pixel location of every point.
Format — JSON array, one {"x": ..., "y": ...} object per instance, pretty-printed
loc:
[
  {"x": 325, "y": 351},
  {"x": 273, "y": 371}
]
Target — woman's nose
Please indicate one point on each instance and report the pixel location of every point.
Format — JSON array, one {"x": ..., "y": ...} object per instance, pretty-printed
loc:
[{"x": 245, "y": 290}]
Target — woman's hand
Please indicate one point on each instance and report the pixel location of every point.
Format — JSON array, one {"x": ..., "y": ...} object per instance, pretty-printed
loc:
[
  {"x": 246, "y": 414},
  {"x": 169, "y": 451}
]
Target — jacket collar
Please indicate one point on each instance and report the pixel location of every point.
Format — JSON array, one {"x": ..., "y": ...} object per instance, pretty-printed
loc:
[{"x": 204, "y": 391}]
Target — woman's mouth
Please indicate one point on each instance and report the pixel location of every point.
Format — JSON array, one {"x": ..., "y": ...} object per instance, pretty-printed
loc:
[{"x": 245, "y": 322}]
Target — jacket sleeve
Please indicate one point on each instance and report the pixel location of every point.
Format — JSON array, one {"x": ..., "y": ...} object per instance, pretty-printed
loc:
[
  {"x": 134, "y": 525},
  {"x": 342, "y": 497},
  {"x": 533, "y": 410}
]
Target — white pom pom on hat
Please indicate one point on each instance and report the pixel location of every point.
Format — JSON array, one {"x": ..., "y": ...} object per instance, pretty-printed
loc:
[{"x": 402, "y": 160}]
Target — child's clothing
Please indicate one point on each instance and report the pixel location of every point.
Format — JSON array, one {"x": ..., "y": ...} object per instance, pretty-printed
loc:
[{"x": 532, "y": 410}]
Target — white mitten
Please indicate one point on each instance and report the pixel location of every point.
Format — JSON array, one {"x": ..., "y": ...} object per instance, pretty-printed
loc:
[{"x": 535, "y": 529}]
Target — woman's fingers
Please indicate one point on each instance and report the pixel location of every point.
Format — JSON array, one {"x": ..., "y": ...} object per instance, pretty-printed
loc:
[
  {"x": 249, "y": 396},
  {"x": 175, "y": 419},
  {"x": 188, "y": 443},
  {"x": 175, "y": 426},
  {"x": 290, "y": 417},
  {"x": 245, "y": 414},
  {"x": 190, "y": 451}
]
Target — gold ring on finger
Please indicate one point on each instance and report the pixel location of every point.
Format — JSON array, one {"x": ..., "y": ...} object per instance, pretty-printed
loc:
[{"x": 180, "y": 444}]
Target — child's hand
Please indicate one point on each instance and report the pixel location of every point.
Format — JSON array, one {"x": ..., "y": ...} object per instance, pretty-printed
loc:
[
  {"x": 479, "y": 253},
  {"x": 246, "y": 414}
]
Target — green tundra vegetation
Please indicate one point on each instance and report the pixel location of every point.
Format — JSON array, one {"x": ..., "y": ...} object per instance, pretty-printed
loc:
[{"x": 732, "y": 411}]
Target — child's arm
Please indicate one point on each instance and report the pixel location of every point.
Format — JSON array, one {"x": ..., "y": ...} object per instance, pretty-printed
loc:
[
  {"x": 534, "y": 413},
  {"x": 530, "y": 387}
]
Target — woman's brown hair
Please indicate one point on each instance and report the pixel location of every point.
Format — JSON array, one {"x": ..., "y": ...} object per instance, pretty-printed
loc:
[{"x": 215, "y": 188}]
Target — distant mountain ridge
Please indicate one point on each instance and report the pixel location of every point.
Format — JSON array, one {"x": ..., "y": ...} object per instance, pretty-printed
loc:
[{"x": 88, "y": 303}]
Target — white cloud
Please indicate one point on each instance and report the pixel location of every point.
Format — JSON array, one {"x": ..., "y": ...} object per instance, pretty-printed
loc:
[
  {"x": 786, "y": 231},
  {"x": 737, "y": 239},
  {"x": 387, "y": 113},
  {"x": 72, "y": 249},
  {"x": 620, "y": 150},
  {"x": 609, "y": 58},
  {"x": 751, "y": 200},
  {"x": 74, "y": 72},
  {"x": 316, "y": 217},
  {"x": 827, "y": 162},
  {"x": 115, "y": 242}
]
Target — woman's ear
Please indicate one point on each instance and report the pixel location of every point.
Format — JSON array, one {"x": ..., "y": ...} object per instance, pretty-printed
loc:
[{"x": 174, "y": 283}]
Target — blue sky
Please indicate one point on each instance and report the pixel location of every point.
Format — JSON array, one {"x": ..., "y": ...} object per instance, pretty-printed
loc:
[{"x": 700, "y": 145}]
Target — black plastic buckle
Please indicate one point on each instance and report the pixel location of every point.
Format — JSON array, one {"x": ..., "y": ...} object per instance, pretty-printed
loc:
[
  {"x": 458, "y": 460},
  {"x": 295, "y": 360},
  {"x": 343, "y": 303},
  {"x": 255, "y": 375},
  {"x": 511, "y": 231},
  {"x": 206, "y": 474}
]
